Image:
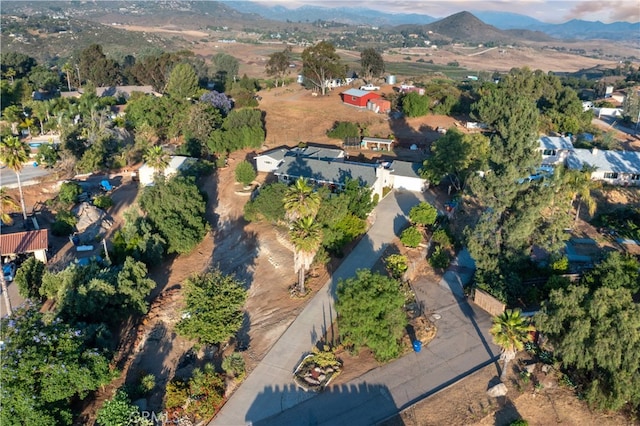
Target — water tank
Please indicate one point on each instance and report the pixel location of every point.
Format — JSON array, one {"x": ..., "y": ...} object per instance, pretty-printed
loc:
[{"x": 391, "y": 79}]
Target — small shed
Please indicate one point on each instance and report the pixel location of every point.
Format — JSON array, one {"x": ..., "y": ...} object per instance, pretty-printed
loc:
[
  {"x": 379, "y": 106},
  {"x": 376, "y": 144},
  {"x": 357, "y": 97},
  {"x": 35, "y": 242}
]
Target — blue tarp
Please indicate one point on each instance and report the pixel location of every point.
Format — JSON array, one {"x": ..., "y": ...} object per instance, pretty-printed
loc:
[{"x": 106, "y": 185}]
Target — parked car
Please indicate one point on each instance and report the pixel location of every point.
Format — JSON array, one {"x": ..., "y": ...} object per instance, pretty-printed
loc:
[
  {"x": 369, "y": 87},
  {"x": 9, "y": 271}
]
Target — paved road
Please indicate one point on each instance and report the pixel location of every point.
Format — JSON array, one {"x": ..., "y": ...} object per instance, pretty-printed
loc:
[
  {"x": 28, "y": 176},
  {"x": 276, "y": 368}
]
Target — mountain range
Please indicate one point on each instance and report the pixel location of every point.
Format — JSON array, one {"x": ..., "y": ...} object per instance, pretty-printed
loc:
[{"x": 574, "y": 29}]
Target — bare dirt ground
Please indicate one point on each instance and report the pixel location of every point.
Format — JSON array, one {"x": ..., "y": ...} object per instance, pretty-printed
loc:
[{"x": 466, "y": 403}]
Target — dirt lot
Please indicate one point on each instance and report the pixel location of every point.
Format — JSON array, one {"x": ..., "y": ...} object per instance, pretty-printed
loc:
[{"x": 466, "y": 403}]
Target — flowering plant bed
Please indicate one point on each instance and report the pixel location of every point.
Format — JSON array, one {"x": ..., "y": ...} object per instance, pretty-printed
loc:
[{"x": 317, "y": 370}]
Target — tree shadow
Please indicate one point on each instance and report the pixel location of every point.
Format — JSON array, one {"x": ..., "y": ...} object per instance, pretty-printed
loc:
[
  {"x": 334, "y": 405},
  {"x": 506, "y": 412}
]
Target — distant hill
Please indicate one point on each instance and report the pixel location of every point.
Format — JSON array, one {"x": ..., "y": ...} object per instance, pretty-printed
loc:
[
  {"x": 346, "y": 15},
  {"x": 465, "y": 27}
]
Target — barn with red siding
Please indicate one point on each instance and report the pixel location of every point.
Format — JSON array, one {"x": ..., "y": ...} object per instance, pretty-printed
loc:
[{"x": 358, "y": 97}]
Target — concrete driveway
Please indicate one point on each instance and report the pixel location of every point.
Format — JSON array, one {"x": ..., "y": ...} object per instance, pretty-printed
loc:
[{"x": 269, "y": 395}]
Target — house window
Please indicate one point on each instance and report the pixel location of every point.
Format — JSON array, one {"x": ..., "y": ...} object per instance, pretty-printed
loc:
[
  {"x": 635, "y": 177},
  {"x": 285, "y": 177},
  {"x": 353, "y": 98},
  {"x": 549, "y": 152},
  {"x": 611, "y": 175}
]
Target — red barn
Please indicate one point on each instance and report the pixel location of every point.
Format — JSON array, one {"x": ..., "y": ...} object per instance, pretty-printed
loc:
[{"x": 358, "y": 97}]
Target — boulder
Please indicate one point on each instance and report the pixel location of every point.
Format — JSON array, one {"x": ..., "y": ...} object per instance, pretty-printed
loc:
[
  {"x": 498, "y": 390},
  {"x": 546, "y": 368},
  {"x": 530, "y": 368}
]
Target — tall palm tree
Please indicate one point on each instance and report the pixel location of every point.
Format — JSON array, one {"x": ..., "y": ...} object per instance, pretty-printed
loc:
[
  {"x": 306, "y": 236},
  {"x": 301, "y": 201},
  {"x": 14, "y": 153},
  {"x": 510, "y": 331},
  {"x": 67, "y": 68},
  {"x": 580, "y": 184},
  {"x": 8, "y": 203},
  {"x": 157, "y": 159}
]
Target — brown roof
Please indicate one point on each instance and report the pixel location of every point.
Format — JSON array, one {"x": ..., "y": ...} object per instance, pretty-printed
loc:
[{"x": 24, "y": 242}]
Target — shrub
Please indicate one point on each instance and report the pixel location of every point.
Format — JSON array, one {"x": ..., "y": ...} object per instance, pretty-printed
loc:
[
  {"x": 147, "y": 383},
  {"x": 69, "y": 192},
  {"x": 441, "y": 237},
  {"x": 415, "y": 105},
  {"x": 268, "y": 205},
  {"x": 439, "y": 258},
  {"x": 344, "y": 129},
  {"x": 411, "y": 237},
  {"x": 64, "y": 225},
  {"x": 423, "y": 214},
  {"x": 103, "y": 202},
  {"x": 519, "y": 422},
  {"x": 221, "y": 161},
  {"x": 397, "y": 264},
  {"x": 560, "y": 265},
  {"x": 234, "y": 364},
  {"x": 245, "y": 174},
  {"x": 117, "y": 411},
  {"x": 29, "y": 278}
]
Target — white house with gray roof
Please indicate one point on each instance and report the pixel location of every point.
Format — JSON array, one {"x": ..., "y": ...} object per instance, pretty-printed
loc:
[
  {"x": 614, "y": 167},
  {"x": 554, "y": 149},
  {"x": 269, "y": 161},
  {"x": 406, "y": 175}
]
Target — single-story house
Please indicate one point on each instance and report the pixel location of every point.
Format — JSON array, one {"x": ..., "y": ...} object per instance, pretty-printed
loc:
[
  {"x": 357, "y": 97},
  {"x": 146, "y": 173},
  {"x": 409, "y": 88},
  {"x": 270, "y": 160},
  {"x": 554, "y": 149},
  {"x": 36, "y": 242},
  {"x": 331, "y": 173},
  {"x": 124, "y": 91},
  {"x": 379, "y": 105},
  {"x": 406, "y": 175},
  {"x": 376, "y": 144},
  {"x": 609, "y": 112},
  {"x": 614, "y": 167}
]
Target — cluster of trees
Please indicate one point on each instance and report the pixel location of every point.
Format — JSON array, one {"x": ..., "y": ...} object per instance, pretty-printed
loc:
[{"x": 317, "y": 219}]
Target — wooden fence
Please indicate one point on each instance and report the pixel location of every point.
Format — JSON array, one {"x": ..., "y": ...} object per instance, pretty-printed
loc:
[{"x": 488, "y": 302}]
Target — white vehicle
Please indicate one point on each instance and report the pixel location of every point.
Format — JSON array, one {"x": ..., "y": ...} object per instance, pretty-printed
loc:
[{"x": 369, "y": 87}]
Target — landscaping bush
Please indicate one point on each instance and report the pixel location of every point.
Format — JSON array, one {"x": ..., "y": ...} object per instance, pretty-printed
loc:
[
  {"x": 397, "y": 265},
  {"x": 411, "y": 237},
  {"x": 69, "y": 192},
  {"x": 103, "y": 202},
  {"x": 234, "y": 364},
  {"x": 268, "y": 205},
  {"x": 439, "y": 258},
  {"x": 423, "y": 214},
  {"x": 64, "y": 224},
  {"x": 344, "y": 129},
  {"x": 441, "y": 237},
  {"x": 245, "y": 174},
  {"x": 117, "y": 411}
]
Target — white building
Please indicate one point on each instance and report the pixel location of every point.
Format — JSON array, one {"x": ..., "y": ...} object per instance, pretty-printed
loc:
[{"x": 146, "y": 173}]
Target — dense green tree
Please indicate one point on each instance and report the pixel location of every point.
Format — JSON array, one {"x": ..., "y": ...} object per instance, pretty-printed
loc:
[
  {"x": 202, "y": 119},
  {"x": 321, "y": 63},
  {"x": 137, "y": 239},
  {"x": 14, "y": 153},
  {"x": 415, "y": 105},
  {"x": 456, "y": 155},
  {"x": 119, "y": 410},
  {"x": 370, "y": 313},
  {"x": 268, "y": 204},
  {"x": 44, "y": 79},
  {"x": 371, "y": 63},
  {"x": 183, "y": 82},
  {"x": 411, "y": 237},
  {"x": 46, "y": 367},
  {"x": 20, "y": 63},
  {"x": 68, "y": 193},
  {"x": 224, "y": 66},
  {"x": 95, "y": 67},
  {"x": 594, "y": 326},
  {"x": 278, "y": 64},
  {"x": 631, "y": 107},
  {"x": 214, "y": 307},
  {"x": 29, "y": 278},
  {"x": 423, "y": 214},
  {"x": 176, "y": 208},
  {"x": 360, "y": 202},
  {"x": 510, "y": 331},
  {"x": 245, "y": 173}
]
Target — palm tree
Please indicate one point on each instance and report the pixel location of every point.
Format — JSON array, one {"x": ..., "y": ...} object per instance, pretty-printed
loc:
[
  {"x": 157, "y": 159},
  {"x": 510, "y": 331},
  {"x": 306, "y": 237},
  {"x": 11, "y": 73},
  {"x": 581, "y": 184},
  {"x": 67, "y": 68},
  {"x": 301, "y": 201},
  {"x": 7, "y": 203},
  {"x": 14, "y": 153}
]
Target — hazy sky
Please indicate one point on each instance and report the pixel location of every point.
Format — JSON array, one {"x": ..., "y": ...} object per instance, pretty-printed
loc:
[{"x": 554, "y": 11}]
